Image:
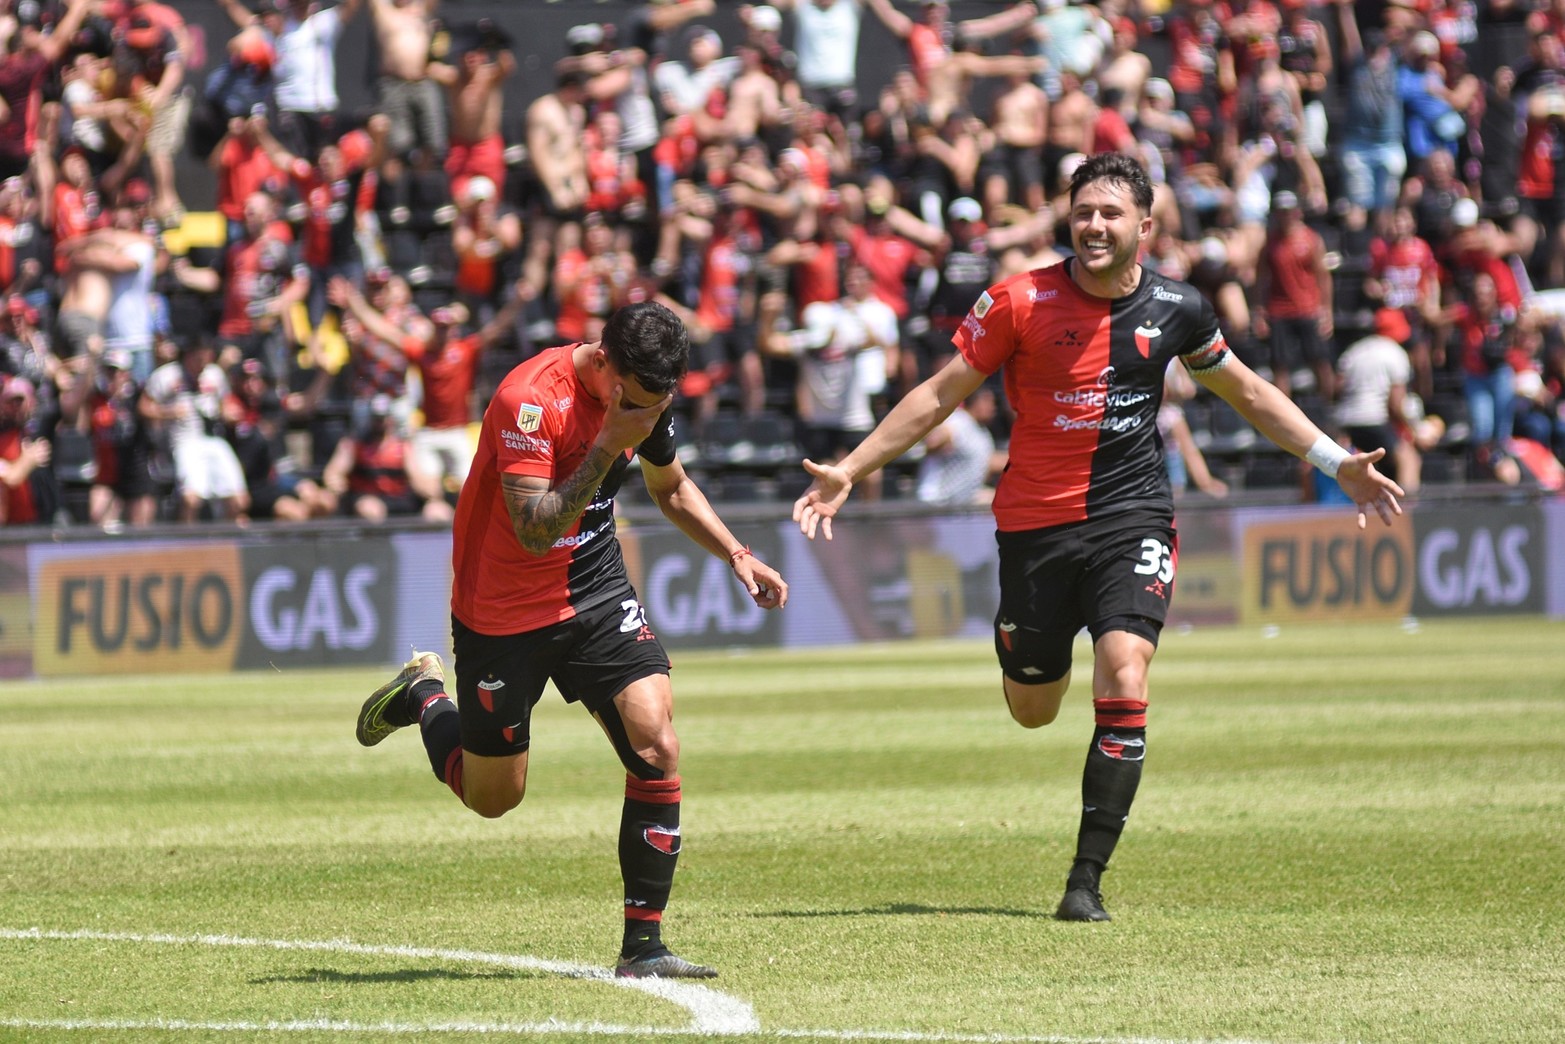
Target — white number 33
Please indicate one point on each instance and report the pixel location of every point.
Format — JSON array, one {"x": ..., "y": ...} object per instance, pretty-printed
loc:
[{"x": 1156, "y": 558}]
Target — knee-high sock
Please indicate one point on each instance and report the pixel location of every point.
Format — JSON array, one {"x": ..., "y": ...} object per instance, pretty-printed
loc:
[
  {"x": 1111, "y": 776},
  {"x": 648, "y": 852},
  {"x": 441, "y": 727}
]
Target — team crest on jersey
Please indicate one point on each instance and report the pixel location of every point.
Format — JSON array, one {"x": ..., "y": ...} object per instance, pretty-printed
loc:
[
  {"x": 1145, "y": 335},
  {"x": 528, "y": 417},
  {"x": 985, "y": 302}
]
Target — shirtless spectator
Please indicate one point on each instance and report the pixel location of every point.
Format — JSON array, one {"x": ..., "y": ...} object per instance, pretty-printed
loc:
[
  {"x": 475, "y": 88},
  {"x": 1073, "y": 122},
  {"x": 1014, "y": 172},
  {"x": 929, "y": 38},
  {"x": 128, "y": 257},
  {"x": 156, "y": 49},
  {"x": 1125, "y": 69},
  {"x": 755, "y": 107},
  {"x": 405, "y": 92},
  {"x": 555, "y": 126}
]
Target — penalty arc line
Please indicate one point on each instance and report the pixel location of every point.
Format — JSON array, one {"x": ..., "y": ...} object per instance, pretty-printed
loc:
[{"x": 712, "y": 1012}]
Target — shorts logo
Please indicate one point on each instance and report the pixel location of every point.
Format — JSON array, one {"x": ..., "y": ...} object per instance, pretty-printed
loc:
[
  {"x": 1145, "y": 335},
  {"x": 985, "y": 302},
  {"x": 664, "y": 839},
  {"x": 486, "y": 690},
  {"x": 528, "y": 417}
]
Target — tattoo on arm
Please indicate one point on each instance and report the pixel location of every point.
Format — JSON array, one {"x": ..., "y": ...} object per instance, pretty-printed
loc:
[{"x": 540, "y": 517}]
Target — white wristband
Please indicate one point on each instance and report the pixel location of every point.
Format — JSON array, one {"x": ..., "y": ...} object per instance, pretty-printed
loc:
[{"x": 1327, "y": 455}]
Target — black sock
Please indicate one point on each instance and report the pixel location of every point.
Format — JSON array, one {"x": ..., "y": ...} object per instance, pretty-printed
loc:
[
  {"x": 648, "y": 852},
  {"x": 404, "y": 712},
  {"x": 1108, "y": 787},
  {"x": 441, "y": 727}
]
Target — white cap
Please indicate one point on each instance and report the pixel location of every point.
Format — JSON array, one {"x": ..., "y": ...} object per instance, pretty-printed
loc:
[
  {"x": 1214, "y": 250},
  {"x": 584, "y": 36},
  {"x": 1426, "y": 43},
  {"x": 478, "y": 189},
  {"x": 765, "y": 19},
  {"x": 1464, "y": 213},
  {"x": 965, "y": 208},
  {"x": 1157, "y": 87},
  {"x": 1069, "y": 163}
]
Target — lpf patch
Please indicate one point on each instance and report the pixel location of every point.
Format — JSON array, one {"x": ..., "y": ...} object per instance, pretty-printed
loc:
[
  {"x": 528, "y": 417},
  {"x": 664, "y": 839},
  {"x": 985, "y": 302}
]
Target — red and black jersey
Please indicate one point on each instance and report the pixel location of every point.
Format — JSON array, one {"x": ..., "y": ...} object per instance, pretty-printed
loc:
[
  {"x": 1085, "y": 377},
  {"x": 541, "y": 422}
]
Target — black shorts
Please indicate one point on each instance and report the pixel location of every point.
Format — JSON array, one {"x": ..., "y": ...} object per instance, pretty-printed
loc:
[
  {"x": 1112, "y": 574},
  {"x": 591, "y": 659},
  {"x": 1297, "y": 342}
]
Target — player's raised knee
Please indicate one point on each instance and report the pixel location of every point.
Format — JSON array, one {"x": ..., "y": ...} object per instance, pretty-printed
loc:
[{"x": 495, "y": 805}]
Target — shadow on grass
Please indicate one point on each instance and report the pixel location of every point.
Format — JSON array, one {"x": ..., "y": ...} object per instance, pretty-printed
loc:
[
  {"x": 404, "y": 975},
  {"x": 905, "y": 909}
]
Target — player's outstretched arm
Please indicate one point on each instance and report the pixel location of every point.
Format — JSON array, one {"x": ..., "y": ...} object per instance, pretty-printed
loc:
[
  {"x": 1279, "y": 418},
  {"x": 914, "y": 417},
  {"x": 683, "y": 503}
]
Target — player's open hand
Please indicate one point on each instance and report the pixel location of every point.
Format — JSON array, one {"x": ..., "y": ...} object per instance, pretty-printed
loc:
[
  {"x": 1369, "y": 489},
  {"x": 626, "y": 425},
  {"x": 820, "y": 502},
  {"x": 766, "y": 586}
]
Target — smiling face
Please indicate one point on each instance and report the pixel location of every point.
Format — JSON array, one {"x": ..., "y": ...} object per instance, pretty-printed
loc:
[{"x": 1107, "y": 230}]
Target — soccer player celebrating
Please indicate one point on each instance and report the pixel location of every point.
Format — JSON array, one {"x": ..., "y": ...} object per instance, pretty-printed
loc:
[
  {"x": 540, "y": 592},
  {"x": 1085, "y": 516}
]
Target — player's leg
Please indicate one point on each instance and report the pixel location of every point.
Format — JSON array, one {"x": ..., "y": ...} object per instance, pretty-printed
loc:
[
  {"x": 1130, "y": 582},
  {"x": 619, "y": 670},
  {"x": 1037, "y": 622},
  {"x": 479, "y": 751}
]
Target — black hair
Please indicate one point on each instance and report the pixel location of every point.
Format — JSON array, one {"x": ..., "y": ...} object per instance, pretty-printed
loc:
[
  {"x": 1114, "y": 166},
  {"x": 648, "y": 342}
]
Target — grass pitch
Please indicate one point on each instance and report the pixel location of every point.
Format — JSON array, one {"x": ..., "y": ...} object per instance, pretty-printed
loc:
[{"x": 1343, "y": 834}]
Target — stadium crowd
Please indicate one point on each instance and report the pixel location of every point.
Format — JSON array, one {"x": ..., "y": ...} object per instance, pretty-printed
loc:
[{"x": 1378, "y": 219}]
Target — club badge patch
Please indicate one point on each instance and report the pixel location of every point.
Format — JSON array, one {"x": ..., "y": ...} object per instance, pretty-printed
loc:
[
  {"x": 528, "y": 417},
  {"x": 985, "y": 302}
]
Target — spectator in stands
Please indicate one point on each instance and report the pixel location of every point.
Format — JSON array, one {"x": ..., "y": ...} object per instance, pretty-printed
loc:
[
  {"x": 335, "y": 198},
  {"x": 29, "y": 55},
  {"x": 377, "y": 477},
  {"x": 405, "y": 93},
  {"x": 1404, "y": 274},
  {"x": 826, "y": 43},
  {"x": 263, "y": 278},
  {"x": 242, "y": 86},
  {"x": 24, "y": 457},
  {"x": 1182, "y": 455},
  {"x": 306, "y": 74},
  {"x": 484, "y": 238},
  {"x": 243, "y": 166},
  {"x": 833, "y": 402},
  {"x": 1296, "y": 299},
  {"x": 960, "y": 454},
  {"x": 183, "y": 402},
  {"x": 1373, "y": 157},
  {"x": 695, "y": 86},
  {"x": 155, "y": 49},
  {"x": 123, "y": 488},
  {"x": 1486, "y": 338},
  {"x": 475, "y": 90},
  {"x": 254, "y": 417},
  {"x": 24, "y": 348},
  {"x": 23, "y": 245},
  {"x": 1372, "y": 409},
  {"x": 1434, "y": 112},
  {"x": 556, "y": 123}
]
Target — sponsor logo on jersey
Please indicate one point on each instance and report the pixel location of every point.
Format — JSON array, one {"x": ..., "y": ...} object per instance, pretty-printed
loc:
[
  {"x": 1145, "y": 335},
  {"x": 528, "y": 417},
  {"x": 515, "y": 440},
  {"x": 1034, "y": 294},
  {"x": 974, "y": 327},
  {"x": 985, "y": 302},
  {"x": 563, "y": 404},
  {"x": 1159, "y": 294}
]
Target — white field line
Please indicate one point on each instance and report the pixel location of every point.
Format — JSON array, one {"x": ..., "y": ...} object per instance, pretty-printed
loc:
[{"x": 712, "y": 1012}]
